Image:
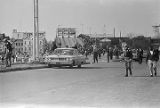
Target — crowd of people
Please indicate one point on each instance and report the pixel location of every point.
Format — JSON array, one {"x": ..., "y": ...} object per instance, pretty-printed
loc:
[{"x": 152, "y": 57}]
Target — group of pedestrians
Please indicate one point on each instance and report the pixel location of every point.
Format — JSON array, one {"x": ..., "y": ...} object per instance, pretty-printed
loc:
[
  {"x": 109, "y": 51},
  {"x": 151, "y": 59}
]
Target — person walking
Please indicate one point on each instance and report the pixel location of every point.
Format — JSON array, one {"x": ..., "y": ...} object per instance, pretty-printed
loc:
[
  {"x": 152, "y": 59},
  {"x": 8, "y": 53},
  {"x": 128, "y": 61},
  {"x": 95, "y": 55},
  {"x": 140, "y": 55}
]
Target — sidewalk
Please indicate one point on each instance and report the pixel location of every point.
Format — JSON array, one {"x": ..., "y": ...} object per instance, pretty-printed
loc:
[{"x": 18, "y": 67}]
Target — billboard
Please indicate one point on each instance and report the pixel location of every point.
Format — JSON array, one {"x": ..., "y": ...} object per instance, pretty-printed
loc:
[{"x": 66, "y": 31}]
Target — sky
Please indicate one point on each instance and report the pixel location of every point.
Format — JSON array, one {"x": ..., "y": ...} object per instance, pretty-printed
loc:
[{"x": 87, "y": 16}]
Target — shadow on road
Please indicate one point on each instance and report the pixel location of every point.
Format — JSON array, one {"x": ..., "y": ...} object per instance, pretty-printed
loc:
[
  {"x": 145, "y": 76},
  {"x": 86, "y": 67}
]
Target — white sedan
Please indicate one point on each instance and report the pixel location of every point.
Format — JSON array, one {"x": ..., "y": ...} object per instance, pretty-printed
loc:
[{"x": 65, "y": 57}]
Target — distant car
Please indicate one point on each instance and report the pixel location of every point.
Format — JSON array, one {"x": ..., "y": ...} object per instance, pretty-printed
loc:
[{"x": 65, "y": 57}]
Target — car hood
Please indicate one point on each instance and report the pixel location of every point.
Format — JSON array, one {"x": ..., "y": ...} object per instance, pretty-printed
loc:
[{"x": 59, "y": 56}]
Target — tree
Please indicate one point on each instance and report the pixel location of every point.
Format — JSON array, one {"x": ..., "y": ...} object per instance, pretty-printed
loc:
[
  {"x": 140, "y": 42},
  {"x": 45, "y": 46}
]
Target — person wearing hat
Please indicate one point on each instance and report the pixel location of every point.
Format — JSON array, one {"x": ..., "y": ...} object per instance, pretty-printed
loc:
[
  {"x": 128, "y": 60},
  {"x": 8, "y": 52}
]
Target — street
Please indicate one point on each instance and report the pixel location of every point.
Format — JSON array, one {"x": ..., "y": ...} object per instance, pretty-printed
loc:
[{"x": 94, "y": 85}]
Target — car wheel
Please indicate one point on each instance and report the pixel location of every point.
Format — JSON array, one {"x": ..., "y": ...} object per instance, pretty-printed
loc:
[
  {"x": 79, "y": 66},
  {"x": 73, "y": 64},
  {"x": 49, "y": 65}
]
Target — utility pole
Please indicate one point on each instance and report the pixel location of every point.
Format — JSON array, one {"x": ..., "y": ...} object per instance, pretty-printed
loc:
[
  {"x": 90, "y": 30},
  {"x": 114, "y": 32},
  {"x": 120, "y": 35},
  {"x": 120, "y": 38},
  {"x": 104, "y": 30},
  {"x": 36, "y": 32}
]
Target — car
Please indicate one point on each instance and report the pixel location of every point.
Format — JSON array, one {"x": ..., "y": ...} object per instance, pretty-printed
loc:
[{"x": 65, "y": 57}]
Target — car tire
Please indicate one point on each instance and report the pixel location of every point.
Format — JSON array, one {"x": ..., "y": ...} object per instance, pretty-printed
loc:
[
  {"x": 73, "y": 64},
  {"x": 79, "y": 66},
  {"x": 49, "y": 65}
]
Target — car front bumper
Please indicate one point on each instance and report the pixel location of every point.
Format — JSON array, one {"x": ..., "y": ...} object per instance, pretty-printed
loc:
[{"x": 60, "y": 63}]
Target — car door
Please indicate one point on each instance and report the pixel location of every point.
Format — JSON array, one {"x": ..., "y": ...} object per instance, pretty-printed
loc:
[{"x": 77, "y": 57}]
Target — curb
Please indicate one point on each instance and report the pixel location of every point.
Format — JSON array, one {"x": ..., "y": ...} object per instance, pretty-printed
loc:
[{"x": 22, "y": 68}]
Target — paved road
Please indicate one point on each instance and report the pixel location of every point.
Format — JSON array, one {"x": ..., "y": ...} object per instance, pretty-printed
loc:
[{"x": 94, "y": 85}]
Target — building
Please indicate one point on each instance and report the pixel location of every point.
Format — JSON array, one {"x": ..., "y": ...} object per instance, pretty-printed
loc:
[
  {"x": 156, "y": 33},
  {"x": 24, "y": 42},
  {"x": 17, "y": 35},
  {"x": 18, "y": 47},
  {"x": 27, "y": 43},
  {"x": 155, "y": 39}
]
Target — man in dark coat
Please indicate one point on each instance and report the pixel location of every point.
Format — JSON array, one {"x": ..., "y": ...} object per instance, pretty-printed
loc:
[{"x": 95, "y": 54}]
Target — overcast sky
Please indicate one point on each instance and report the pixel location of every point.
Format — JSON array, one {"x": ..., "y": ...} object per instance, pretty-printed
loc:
[{"x": 128, "y": 16}]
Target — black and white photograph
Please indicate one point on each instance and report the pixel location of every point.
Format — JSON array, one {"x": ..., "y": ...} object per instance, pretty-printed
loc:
[{"x": 79, "y": 53}]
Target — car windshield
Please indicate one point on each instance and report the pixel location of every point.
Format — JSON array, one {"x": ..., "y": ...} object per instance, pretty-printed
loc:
[{"x": 63, "y": 52}]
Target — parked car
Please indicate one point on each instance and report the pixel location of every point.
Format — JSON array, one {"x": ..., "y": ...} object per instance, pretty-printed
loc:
[{"x": 65, "y": 57}]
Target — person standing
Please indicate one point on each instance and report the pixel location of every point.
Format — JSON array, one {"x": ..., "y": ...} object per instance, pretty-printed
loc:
[
  {"x": 128, "y": 61},
  {"x": 8, "y": 52},
  {"x": 152, "y": 59},
  {"x": 107, "y": 52},
  {"x": 111, "y": 53},
  {"x": 95, "y": 55}
]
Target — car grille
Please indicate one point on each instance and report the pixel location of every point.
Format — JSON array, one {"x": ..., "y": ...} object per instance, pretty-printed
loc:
[{"x": 58, "y": 59}]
